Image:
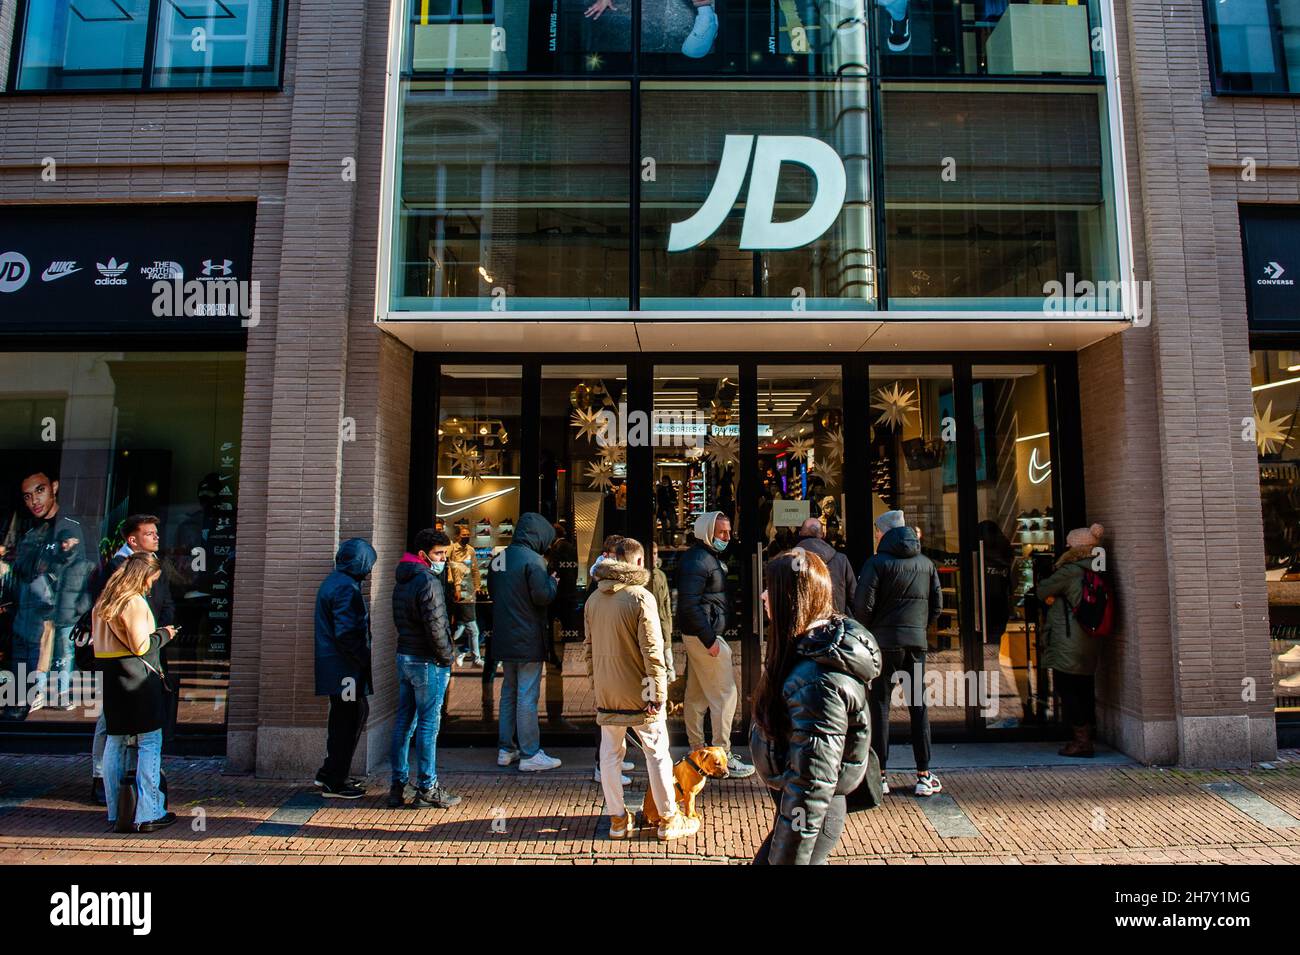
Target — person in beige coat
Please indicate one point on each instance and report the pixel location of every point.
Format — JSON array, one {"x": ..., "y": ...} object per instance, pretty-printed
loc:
[{"x": 624, "y": 649}]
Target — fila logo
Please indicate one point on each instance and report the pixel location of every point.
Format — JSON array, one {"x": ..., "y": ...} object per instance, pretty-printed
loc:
[{"x": 758, "y": 231}]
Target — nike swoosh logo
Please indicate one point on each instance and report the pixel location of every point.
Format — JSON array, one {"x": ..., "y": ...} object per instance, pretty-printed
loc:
[
  {"x": 48, "y": 276},
  {"x": 464, "y": 504},
  {"x": 1038, "y": 472}
]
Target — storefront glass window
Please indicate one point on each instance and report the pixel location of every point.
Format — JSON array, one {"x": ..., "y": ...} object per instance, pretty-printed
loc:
[
  {"x": 87, "y": 439},
  {"x": 476, "y": 504},
  {"x": 1255, "y": 45},
  {"x": 512, "y": 196},
  {"x": 1275, "y": 387},
  {"x": 989, "y": 197},
  {"x": 104, "y": 44},
  {"x": 760, "y": 196}
]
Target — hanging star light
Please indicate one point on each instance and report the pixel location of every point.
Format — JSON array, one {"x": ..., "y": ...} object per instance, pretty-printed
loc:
[
  {"x": 600, "y": 475},
  {"x": 614, "y": 454},
  {"x": 461, "y": 454},
  {"x": 1271, "y": 434},
  {"x": 589, "y": 422},
  {"x": 473, "y": 470},
  {"x": 799, "y": 449},
  {"x": 894, "y": 405},
  {"x": 724, "y": 449},
  {"x": 833, "y": 449}
]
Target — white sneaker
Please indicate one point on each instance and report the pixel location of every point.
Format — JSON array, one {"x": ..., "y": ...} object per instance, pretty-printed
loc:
[
  {"x": 737, "y": 768},
  {"x": 507, "y": 756},
  {"x": 460, "y": 659},
  {"x": 1291, "y": 656},
  {"x": 619, "y": 825},
  {"x": 1286, "y": 683},
  {"x": 538, "y": 763},
  {"x": 623, "y": 779},
  {"x": 678, "y": 826},
  {"x": 699, "y": 41},
  {"x": 928, "y": 785}
]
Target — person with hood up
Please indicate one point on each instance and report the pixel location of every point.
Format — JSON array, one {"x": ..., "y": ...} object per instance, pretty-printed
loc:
[
  {"x": 522, "y": 589},
  {"x": 811, "y": 733},
  {"x": 702, "y": 606},
  {"x": 812, "y": 538},
  {"x": 624, "y": 649},
  {"x": 898, "y": 599},
  {"x": 343, "y": 664},
  {"x": 1068, "y": 652},
  {"x": 425, "y": 653}
]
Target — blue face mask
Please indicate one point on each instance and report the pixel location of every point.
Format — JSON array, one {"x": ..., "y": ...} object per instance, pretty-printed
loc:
[
  {"x": 720, "y": 546},
  {"x": 438, "y": 566}
]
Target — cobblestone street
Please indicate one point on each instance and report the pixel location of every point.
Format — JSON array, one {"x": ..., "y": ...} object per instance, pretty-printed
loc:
[{"x": 1101, "y": 813}]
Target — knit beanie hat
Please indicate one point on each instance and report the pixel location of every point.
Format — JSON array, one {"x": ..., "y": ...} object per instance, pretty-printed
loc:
[
  {"x": 1085, "y": 536},
  {"x": 889, "y": 520}
]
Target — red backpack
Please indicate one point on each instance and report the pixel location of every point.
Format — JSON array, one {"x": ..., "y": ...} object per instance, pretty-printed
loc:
[{"x": 1095, "y": 610}]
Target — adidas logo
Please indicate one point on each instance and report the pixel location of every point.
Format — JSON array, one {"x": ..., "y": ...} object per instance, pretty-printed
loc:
[{"x": 111, "y": 272}]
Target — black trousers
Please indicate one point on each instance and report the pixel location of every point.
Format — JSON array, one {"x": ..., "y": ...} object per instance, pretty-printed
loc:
[
  {"x": 347, "y": 721},
  {"x": 827, "y": 839},
  {"x": 911, "y": 663},
  {"x": 1078, "y": 697}
]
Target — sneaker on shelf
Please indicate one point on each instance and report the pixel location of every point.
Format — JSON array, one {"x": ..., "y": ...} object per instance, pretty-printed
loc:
[
  {"x": 900, "y": 35},
  {"x": 435, "y": 797},
  {"x": 346, "y": 791},
  {"x": 928, "y": 785},
  {"x": 699, "y": 41},
  {"x": 1289, "y": 682},
  {"x": 397, "y": 796},
  {"x": 507, "y": 756},
  {"x": 595, "y": 776},
  {"x": 620, "y": 825},
  {"x": 884, "y": 784},
  {"x": 539, "y": 762},
  {"x": 737, "y": 768},
  {"x": 678, "y": 826},
  {"x": 1291, "y": 656}
]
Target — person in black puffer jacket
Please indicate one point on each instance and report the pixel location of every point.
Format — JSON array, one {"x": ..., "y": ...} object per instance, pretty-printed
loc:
[
  {"x": 898, "y": 599},
  {"x": 425, "y": 654},
  {"x": 811, "y": 734}
]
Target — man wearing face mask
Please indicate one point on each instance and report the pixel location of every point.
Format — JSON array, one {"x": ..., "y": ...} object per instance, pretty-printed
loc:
[
  {"x": 425, "y": 654},
  {"x": 702, "y": 604}
]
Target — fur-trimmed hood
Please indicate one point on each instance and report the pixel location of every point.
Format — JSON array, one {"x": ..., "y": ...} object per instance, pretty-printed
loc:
[
  {"x": 1074, "y": 554},
  {"x": 616, "y": 574}
]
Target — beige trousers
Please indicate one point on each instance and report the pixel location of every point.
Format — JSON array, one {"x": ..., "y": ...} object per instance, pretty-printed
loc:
[{"x": 711, "y": 688}]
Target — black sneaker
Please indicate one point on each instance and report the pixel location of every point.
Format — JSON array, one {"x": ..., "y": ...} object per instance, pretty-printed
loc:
[
  {"x": 900, "y": 35},
  {"x": 97, "y": 792},
  {"x": 162, "y": 822},
  {"x": 352, "y": 781},
  {"x": 346, "y": 791},
  {"x": 436, "y": 798},
  {"x": 397, "y": 796}
]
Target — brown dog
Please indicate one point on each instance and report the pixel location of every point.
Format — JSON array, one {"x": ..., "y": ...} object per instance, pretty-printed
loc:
[{"x": 689, "y": 775}]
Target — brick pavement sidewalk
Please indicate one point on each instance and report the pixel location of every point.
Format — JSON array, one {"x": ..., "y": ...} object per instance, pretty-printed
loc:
[{"x": 1099, "y": 814}]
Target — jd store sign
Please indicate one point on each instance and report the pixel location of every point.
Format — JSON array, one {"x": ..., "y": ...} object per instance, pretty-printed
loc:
[{"x": 758, "y": 232}]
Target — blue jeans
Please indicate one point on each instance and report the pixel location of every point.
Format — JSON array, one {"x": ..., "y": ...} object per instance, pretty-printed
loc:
[
  {"x": 518, "y": 721},
  {"x": 470, "y": 628},
  {"x": 149, "y": 804},
  {"x": 421, "y": 685}
]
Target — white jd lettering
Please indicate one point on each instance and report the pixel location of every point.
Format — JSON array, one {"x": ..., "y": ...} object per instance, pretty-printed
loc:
[{"x": 758, "y": 231}]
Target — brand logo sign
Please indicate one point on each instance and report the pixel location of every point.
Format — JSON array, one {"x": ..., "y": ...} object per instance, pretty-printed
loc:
[
  {"x": 211, "y": 268},
  {"x": 1273, "y": 273},
  {"x": 14, "y": 270},
  {"x": 59, "y": 270},
  {"x": 111, "y": 272},
  {"x": 162, "y": 271},
  {"x": 758, "y": 231}
]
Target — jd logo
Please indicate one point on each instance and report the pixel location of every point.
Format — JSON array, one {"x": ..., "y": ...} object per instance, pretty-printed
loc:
[
  {"x": 14, "y": 269},
  {"x": 758, "y": 231}
]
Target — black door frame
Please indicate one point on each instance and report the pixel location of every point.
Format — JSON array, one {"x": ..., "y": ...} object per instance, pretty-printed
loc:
[{"x": 855, "y": 369}]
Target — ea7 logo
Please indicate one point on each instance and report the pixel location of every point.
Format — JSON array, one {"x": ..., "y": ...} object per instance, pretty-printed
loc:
[{"x": 758, "y": 231}]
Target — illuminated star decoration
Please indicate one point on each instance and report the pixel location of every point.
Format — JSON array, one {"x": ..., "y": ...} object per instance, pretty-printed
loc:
[
  {"x": 473, "y": 470},
  {"x": 799, "y": 449},
  {"x": 589, "y": 423},
  {"x": 1271, "y": 434},
  {"x": 894, "y": 405},
  {"x": 600, "y": 475},
  {"x": 724, "y": 449},
  {"x": 461, "y": 454},
  {"x": 614, "y": 454},
  {"x": 833, "y": 451}
]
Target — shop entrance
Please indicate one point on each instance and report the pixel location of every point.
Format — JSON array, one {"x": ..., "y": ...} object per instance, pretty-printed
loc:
[{"x": 973, "y": 452}]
